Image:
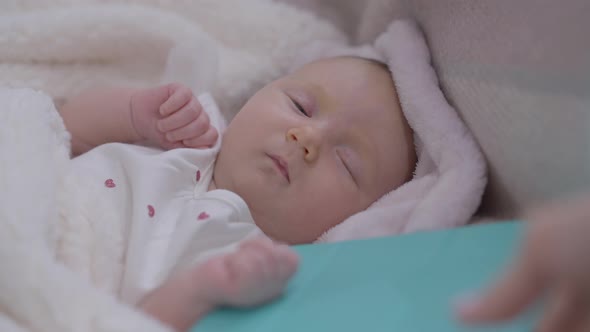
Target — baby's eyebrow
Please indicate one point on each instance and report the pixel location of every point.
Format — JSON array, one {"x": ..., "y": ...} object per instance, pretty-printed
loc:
[{"x": 316, "y": 96}]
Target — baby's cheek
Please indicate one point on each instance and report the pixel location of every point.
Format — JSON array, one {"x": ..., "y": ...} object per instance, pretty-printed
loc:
[{"x": 324, "y": 211}]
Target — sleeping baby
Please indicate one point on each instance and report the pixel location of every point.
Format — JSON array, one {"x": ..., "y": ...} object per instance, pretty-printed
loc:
[
  {"x": 205, "y": 212},
  {"x": 304, "y": 153}
]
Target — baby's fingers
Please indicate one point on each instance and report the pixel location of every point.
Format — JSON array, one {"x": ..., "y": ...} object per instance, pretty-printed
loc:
[
  {"x": 179, "y": 96},
  {"x": 171, "y": 145},
  {"x": 195, "y": 128},
  {"x": 185, "y": 116},
  {"x": 206, "y": 140}
]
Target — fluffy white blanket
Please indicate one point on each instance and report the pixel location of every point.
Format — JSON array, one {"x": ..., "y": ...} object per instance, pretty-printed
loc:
[
  {"x": 61, "y": 47},
  {"x": 64, "y": 46},
  {"x": 38, "y": 292}
]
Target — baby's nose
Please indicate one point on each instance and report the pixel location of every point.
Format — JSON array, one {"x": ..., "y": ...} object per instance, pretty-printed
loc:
[{"x": 309, "y": 139}]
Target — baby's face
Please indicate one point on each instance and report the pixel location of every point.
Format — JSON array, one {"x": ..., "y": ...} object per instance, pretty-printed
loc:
[{"x": 315, "y": 147}]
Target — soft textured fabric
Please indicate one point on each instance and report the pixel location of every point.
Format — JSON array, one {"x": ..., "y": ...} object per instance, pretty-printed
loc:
[
  {"x": 206, "y": 57},
  {"x": 450, "y": 175},
  {"x": 65, "y": 46},
  {"x": 38, "y": 293},
  {"x": 518, "y": 74},
  {"x": 160, "y": 215},
  {"x": 162, "y": 205},
  {"x": 107, "y": 226}
]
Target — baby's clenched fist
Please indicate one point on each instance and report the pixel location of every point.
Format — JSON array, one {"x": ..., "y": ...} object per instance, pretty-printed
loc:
[{"x": 170, "y": 116}]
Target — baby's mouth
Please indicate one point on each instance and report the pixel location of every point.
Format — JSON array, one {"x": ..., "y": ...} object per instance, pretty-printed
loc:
[{"x": 281, "y": 165}]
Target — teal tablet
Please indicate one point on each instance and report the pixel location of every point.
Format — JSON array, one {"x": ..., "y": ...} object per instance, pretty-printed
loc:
[{"x": 404, "y": 283}]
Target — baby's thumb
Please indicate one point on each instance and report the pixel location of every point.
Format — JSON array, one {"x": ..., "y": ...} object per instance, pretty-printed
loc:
[{"x": 518, "y": 288}]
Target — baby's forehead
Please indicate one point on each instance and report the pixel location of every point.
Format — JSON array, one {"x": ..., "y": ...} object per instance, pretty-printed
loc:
[
  {"x": 361, "y": 91},
  {"x": 351, "y": 79}
]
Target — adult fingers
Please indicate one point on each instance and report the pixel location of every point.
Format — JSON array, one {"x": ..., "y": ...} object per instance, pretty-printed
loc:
[
  {"x": 513, "y": 292},
  {"x": 565, "y": 311}
]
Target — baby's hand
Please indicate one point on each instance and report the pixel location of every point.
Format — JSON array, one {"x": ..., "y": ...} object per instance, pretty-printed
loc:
[
  {"x": 254, "y": 274},
  {"x": 170, "y": 116}
]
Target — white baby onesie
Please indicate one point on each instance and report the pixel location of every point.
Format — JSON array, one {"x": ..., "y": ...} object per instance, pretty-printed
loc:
[{"x": 167, "y": 217}]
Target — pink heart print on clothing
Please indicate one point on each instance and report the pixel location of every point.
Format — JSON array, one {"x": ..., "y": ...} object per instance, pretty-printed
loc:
[
  {"x": 203, "y": 216},
  {"x": 109, "y": 183},
  {"x": 151, "y": 211}
]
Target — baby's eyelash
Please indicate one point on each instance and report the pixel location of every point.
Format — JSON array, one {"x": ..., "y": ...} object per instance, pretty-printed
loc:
[
  {"x": 300, "y": 108},
  {"x": 345, "y": 164}
]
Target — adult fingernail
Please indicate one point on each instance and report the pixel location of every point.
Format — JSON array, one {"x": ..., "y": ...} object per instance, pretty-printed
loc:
[{"x": 465, "y": 306}]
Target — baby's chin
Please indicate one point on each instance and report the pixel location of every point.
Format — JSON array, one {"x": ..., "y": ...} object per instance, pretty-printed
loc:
[{"x": 284, "y": 235}]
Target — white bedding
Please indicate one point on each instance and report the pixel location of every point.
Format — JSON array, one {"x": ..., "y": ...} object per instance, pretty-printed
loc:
[
  {"x": 64, "y": 46},
  {"x": 61, "y": 47},
  {"x": 38, "y": 293}
]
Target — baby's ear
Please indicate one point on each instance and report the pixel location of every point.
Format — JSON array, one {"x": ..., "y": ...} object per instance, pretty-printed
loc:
[{"x": 327, "y": 49}]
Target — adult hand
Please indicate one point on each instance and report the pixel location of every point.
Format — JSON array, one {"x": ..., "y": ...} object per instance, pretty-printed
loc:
[{"x": 554, "y": 261}]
